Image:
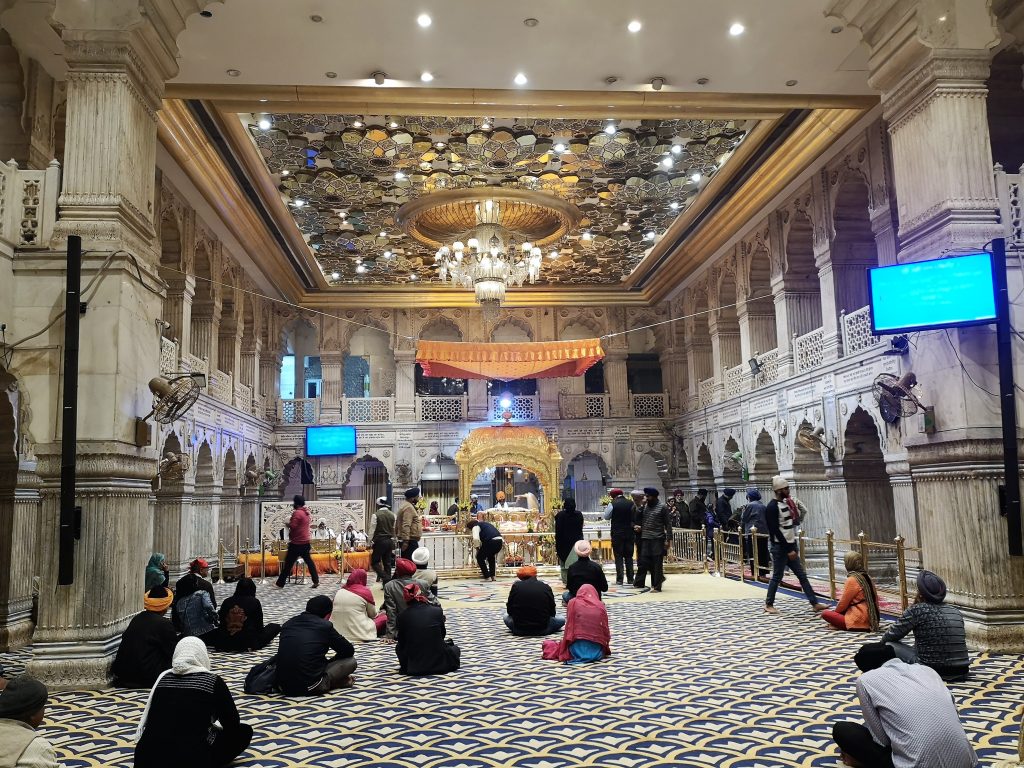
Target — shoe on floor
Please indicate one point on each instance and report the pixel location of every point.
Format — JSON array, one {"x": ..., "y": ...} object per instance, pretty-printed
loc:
[
  {"x": 641, "y": 590},
  {"x": 771, "y": 609},
  {"x": 315, "y": 586},
  {"x": 818, "y": 607},
  {"x": 619, "y": 583}
]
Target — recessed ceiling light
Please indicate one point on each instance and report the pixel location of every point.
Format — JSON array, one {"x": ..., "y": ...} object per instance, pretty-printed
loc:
[
  {"x": 335, "y": 275},
  {"x": 234, "y": 72},
  {"x": 586, "y": 236},
  {"x": 610, "y": 129},
  {"x": 677, "y": 148},
  {"x": 942, "y": 18},
  {"x": 343, "y": 214},
  {"x": 737, "y": 29},
  {"x": 426, "y": 77},
  {"x": 263, "y": 101},
  {"x": 330, "y": 75},
  {"x": 206, "y": 14},
  {"x": 299, "y": 202},
  {"x": 520, "y": 79},
  {"x": 357, "y": 123},
  {"x": 379, "y": 77},
  {"x": 392, "y": 124},
  {"x": 485, "y": 125},
  {"x": 650, "y": 235},
  {"x": 791, "y": 83},
  {"x": 666, "y": 162},
  {"x": 263, "y": 124},
  {"x": 553, "y": 255},
  {"x": 836, "y": 30},
  {"x": 284, "y": 172},
  {"x": 399, "y": 175},
  {"x": 424, "y": 20},
  {"x": 634, "y": 26},
  {"x": 360, "y": 268},
  {"x": 674, "y": 205},
  {"x": 316, "y": 18},
  {"x": 383, "y": 233},
  {"x": 388, "y": 254},
  {"x": 695, "y": 177},
  {"x": 440, "y": 145},
  {"x": 414, "y": 276},
  {"x": 530, "y": 22},
  {"x": 560, "y": 147},
  {"x": 703, "y": 80}
]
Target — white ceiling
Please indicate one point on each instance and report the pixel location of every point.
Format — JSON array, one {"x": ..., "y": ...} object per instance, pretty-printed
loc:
[{"x": 484, "y": 43}]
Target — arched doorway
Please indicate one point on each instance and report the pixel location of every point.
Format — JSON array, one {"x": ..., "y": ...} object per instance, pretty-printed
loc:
[
  {"x": 439, "y": 481},
  {"x": 584, "y": 481},
  {"x": 705, "y": 469},
  {"x": 853, "y": 249},
  {"x": 811, "y": 486},
  {"x": 205, "y": 508},
  {"x": 297, "y": 479},
  {"x": 652, "y": 471},
  {"x": 765, "y": 464},
  {"x": 367, "y": 480},
  {"x": 732, "y": 466},
  {"x": 868, "y": 490},
  {"x": 230, "y": 502},
  {"x": 802, "y": 286},
  {"x": 760, "y": 304}
]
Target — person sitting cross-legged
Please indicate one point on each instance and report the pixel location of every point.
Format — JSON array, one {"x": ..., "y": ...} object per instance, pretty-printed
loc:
[
  {"x": 424, "y": 572},
  {"x": 302, "y": 665},
  {"x": 910, "y": 720},
  {"x": 587, "y": 634},
  {"x": 858, "y": 605},
  {"x": 355, "y": 614},
  {"x": 147, "y": 644},
  {"x": 241, "y": 621},
  {"x": 584, "y": 571},
  {"x": 190, "y": 718},
  {"x": 531, "y": 606},
  {"x": 22, "y": 706},
  {"x": 394, "y": 595},
  {"x": 422, "y": 647}
]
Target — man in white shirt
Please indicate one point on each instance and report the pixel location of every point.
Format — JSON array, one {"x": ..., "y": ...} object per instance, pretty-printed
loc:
[{"x": 910, "y": 720}]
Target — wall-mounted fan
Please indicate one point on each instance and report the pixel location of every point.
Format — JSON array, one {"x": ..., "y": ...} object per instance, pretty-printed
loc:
[
  {"x": 895, "y": 397},
  {"x": 172, "y": 398},
  {"x": 736, "y": 463},
  {"x": 813, "y": 439},
  {"x": 173, "y": 467}
]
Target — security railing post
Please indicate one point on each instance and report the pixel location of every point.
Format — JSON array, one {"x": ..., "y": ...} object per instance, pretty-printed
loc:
[
  {"x": 830, "y": 543},
  {"x": 901, "y": 570},
  {"x": 862, "y": 542},
  {"x": 753, "y": 551}
]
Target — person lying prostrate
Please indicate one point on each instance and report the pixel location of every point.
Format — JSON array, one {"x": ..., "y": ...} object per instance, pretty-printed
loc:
[
  {"x": 190, "y": 718},
  {"x": 355, "y": 614},
  {"x": 587, "y": 635}
]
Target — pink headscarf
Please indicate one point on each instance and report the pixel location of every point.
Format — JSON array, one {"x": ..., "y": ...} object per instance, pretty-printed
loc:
[
  {"x": 356, "y": 584},
  {"x": 586, "y": 618},
  {"x": 413, "y": 593}
]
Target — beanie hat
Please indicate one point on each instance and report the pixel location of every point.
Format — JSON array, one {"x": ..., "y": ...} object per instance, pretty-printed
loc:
[
  {"x": 931, "y": 587},
  {"x": 421, "y": 556},
  {"x": 779, "y": 482},
  {"x": 649, "y": 491},
  {"x": 873, "y": 655},
  {"x": 412, "y": 493},
  {"x": 23, "y": 696},
  {"x": 321, "y": 606}
]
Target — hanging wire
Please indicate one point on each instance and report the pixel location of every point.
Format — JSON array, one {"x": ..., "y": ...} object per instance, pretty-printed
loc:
[{"x": 683, "y": 317}]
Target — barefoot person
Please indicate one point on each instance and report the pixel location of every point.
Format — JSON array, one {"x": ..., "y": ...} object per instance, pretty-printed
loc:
[
  {"x": 298, "y": 544},
  {"x": 782, "y": 517},
  {"x": 858, "y": 605}
]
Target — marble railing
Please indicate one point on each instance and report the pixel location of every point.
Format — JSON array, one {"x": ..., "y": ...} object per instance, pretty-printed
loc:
[
  {"x": 808, "y": 350},
  {"x": 1010, "y": 190},
  {"x": 857, "y": 334},
  {"x": 769, "y": 362},
  {"x": 168, "y": 356},
  {"x": 583, "y": 406},
  {"x": 300, "y": 411},
  {"x": 219, "y": 387},
  {"x": 734, "y": 380},
  {"x": 522, "y": 408},
  {"x": 191, "y": 364},
  {"x": 364, "y": 410},
  {"x": 649, "y": 406},
  {"x": 441, "y": 407},
  {"x": 706, "y": 392},
  {"x": 28, "y": 204}
]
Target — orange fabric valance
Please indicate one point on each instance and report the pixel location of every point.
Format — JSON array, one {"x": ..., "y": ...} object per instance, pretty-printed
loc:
[{"x": 530, "y": 360}]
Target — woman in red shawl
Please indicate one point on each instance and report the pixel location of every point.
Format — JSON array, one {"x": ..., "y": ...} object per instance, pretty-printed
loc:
[
  {"x": 355, "y": 613},
  {"x": 587, "y": 636}
]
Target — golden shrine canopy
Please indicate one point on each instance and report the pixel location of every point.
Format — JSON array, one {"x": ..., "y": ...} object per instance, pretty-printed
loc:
[{"x": 527, "y": 360}]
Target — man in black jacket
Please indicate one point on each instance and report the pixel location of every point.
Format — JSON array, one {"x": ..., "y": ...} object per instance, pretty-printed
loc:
[
  {"x": 147, "y": 645},
  {"x": 489, "y": 544},
  {"x": 302, "y": 665},
  {"x": 698, "y": 507},
  {"x": 531, "y": 606},
  {"x": 620, "y": 512},
  {"x": 584, "y": 571},
  {"x": 655, "y": 533}
]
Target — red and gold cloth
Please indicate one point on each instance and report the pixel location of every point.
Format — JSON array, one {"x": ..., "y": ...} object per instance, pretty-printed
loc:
[{"x": 528, "y": 360}]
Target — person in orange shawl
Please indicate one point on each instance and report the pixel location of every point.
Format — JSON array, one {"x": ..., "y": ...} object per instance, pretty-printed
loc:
[
  {"x": 858, "y": 607},
  {"x": 587, "y": 634}
]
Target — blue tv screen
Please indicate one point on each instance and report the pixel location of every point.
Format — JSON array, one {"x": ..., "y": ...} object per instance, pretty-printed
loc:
[
  {"x": 330, "y": 441},
  {"x": 939, "y": 293}
]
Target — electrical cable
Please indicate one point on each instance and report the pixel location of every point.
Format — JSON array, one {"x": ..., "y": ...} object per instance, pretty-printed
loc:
[
  {"x": 964, "y": 367},
  {"x": 683, "y": 317}
]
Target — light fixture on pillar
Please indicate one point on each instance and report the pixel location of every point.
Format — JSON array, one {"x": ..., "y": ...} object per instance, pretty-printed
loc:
[
  {"x": 755, "y": 367},
  {"x": 505, "y": 402}
]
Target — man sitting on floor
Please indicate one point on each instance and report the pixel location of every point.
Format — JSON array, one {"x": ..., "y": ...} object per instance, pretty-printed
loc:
[
  {"x": 394, "y": 595},
  {"x": 584, "y": 571},
  {"x": 909, "y": 715},
  {"x": 22, "y": 705},
  {"x": 147, "y": 644},
  {"x": 940, "y": 641},
  {"x": 424, "y": 572},
  {"x": 531, "y": 606},
  {"x": 302, "y": 665}
]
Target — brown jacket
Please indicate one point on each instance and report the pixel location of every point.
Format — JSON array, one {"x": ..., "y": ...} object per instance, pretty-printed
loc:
[
  {"x": 21, "y": 745},
  {"x": 410, "y": 525}
]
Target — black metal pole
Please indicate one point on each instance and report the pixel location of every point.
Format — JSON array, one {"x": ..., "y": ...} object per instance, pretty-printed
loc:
[
  {"x": 69, "y": 420},
  {"x": 1007, "y": 403}
]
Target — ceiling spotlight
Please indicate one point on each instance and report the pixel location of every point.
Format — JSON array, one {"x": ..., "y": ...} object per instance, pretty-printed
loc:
[
  {"x": 316, "y": 18},
  {"x": 388, "y": 254},
  {"x": 586, "y": 236},
  {"x": 263, "y": 124},
  {"x": 677, "y": 149},
  {"x": 392, "y": 124},
  {"x": 383, "y": 233},
  {"x": 206, "y": 14},
  {"x": 836, "y": 30},
  {"x": 424, "y": 20},
  {"x": 299, "y": 202},
  {"x": 520, "y": 79},
  {"x": 674, "y": 205},
  {"x": 610, "y": 129},
  {"x": 560, "y": 147},
  {"x": 657, "y": 83},
  {"x": 611, "y": 80},
  {"x": 263, "y": 101},
  {"x": 357, "y": 123},
  {"x": 426, "y": 77},
  {"x": 379, "y": 77},
  {"x": 650, "y": 235},
  {"x": 335, "y": 275},
  {"x": 666, "y": 162},
  {"x": 531, "y": 22},
  {"x": 791, "y": 83},
  {"x": 553, "y": 255},
  {"x": 703, "y": 80},
  {"x": 360, "y": 268},
  {"x": 439, "y": 145},
  {"x": 330, "y": 75},
  {"x": 284, "y": 172},
  {"x": 234, "y": 72},
  {"x": 695, "y": 177},
  {"x": 737, "y": 29},
  {"x": 634, "y": 26},
  {"x": 399, "y": 175},
  {"x": 414, "y": 276},
  {"x": 485, "y": 125}
]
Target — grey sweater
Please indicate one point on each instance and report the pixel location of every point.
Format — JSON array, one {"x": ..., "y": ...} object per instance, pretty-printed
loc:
[{"x": 939, "y": 636}]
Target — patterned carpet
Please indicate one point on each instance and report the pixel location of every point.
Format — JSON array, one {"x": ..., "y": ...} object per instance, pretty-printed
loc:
[{"x": 709, "y": 683}]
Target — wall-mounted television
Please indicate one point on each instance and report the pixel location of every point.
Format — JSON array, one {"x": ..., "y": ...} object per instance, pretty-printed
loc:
[
  {"x": 331, "y": 440},
  {"x": 938, "y": 293}
]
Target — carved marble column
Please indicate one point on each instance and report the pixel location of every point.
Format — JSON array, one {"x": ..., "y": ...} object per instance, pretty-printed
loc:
[
  {"x": 673, "y": 371},
  {"x": 229, "y": 345},
  {"x": 617, "y": 383},
  {"x": 172, "y": 525},
  {"x": 479, "y": 405},
  {"x": 249, "y": 364},
  {"x": 24, "y": 559},
  {"x": 206, "y": 331},
  {"x": 547, "y": 390},
  {"x": 832, "y": 337},
  {"x": 405, "y": 384},
  {"x": 332, "y": 370},
  {"x": 115, "y": 83},
  {"x": 270, "y": 381},
  {"x": 177, "y": 308}
]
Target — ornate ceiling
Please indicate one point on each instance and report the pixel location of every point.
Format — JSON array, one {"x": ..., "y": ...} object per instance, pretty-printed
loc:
[{"x": 346, "y": 176}]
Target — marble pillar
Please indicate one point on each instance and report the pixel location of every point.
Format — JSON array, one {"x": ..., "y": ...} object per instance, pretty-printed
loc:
[
  {"x": 479, "y": 403},
  {"x": 405, "y": 384},
  {"x": 674, "y": 378},
  {"x": 616, "y": 382},
  {"x": 332, "y": 370},
  {"x": 177, "y": 307},
  {"x": 172, "y": 525},
  {"x": 205, "y": 331}
]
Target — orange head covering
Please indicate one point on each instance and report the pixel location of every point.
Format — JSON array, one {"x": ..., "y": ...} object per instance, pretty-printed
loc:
[
  {"x": 500, "y": 496},
  {"x": 526, "y": 572},
  {"x": 158, "y": 599}
]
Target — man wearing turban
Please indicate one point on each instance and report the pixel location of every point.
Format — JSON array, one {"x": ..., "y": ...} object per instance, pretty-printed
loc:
[
  {"x": 147, "y": 645},
  {"x": 531, "y": 606}
]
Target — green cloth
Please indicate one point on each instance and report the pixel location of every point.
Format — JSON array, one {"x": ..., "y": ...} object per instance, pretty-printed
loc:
[{"x": 154, "y": 573}]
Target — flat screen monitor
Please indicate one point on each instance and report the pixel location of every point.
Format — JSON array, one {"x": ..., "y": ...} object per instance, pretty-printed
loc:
[
  {"x": 330, "y": 441},
  {"x": 939, "y": 293}
]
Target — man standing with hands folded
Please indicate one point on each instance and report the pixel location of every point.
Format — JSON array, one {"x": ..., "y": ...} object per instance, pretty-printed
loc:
[{"x": 655, "y": 535}]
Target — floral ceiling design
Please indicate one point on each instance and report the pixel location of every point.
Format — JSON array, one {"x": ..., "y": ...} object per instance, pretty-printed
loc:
[{"x": 345, "y": 176}]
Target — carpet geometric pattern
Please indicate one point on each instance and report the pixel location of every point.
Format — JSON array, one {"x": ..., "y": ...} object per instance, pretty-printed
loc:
[{"x": 712, "y": 683}]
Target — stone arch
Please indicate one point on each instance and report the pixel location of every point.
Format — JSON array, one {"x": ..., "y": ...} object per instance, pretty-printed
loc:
[
  {"x": 204, "y": 465},
  {"x": 292, "y": 478},
  {"x": 807, "y": 463},
  {"x": 868, "y": 489},
  {"x": 441, "y": 328},
  {"x": 230, "y": 509},
  {"x": 760, "y": 303},
  {"x": 170, "y": 241},
  {"x": 705, "y": 476},
  {"x": 370, "y": 353},
  {"x": 853, "y": 247},
  {"x": 366, "y": 479},
  {"x": 733, "y": 476},
  {"x": 800, "y": 276},
  {"x": 726, "y": 321},
  {"x": 601, "y": 463},
  {"x": 766, "y": 462},
  {"x": 512, "y": 329},
  {"x": 580, "y": 328},
  {"x": 250, "y": 471},
  {"x": 205, "y": 522},
  {"x": 652, "y": 461}
]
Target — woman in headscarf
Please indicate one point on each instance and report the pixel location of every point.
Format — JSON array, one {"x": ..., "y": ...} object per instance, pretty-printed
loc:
[
  {"x": 858, "y": 606},
  {"x": 568, "y": 530},
  {"x": 241, "y": 621},
  {"x": 587, "y": 636},
  {"x": 157, "y": 572},
  {"x": 355, "y": 614},
  {"x": 147, "y": 644},
  {"x": 190, "y": 717},
  {"x": 422, "y": 647}
]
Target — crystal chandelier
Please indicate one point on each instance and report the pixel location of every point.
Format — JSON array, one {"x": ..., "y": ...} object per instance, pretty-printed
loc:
[{"x": 489, "y": 261}]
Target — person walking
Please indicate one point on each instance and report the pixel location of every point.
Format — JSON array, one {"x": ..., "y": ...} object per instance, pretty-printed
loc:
[
  {"x": 568, "y": 530},
  {"x": 489, "y": 543},
  {"x": 382, "y": 534},
  {"x": 782, "y": 518},
  {"x": 655, "y": 534},
  {"x": 620, "y": 512},
  {"x": 755, "y": 517},
  {"x": 298, "y": 544},
  {"x": 409, "y": 526}
]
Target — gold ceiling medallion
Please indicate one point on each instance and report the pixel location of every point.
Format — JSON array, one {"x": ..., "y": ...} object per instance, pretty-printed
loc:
[{"x": 439, "y": 218}]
